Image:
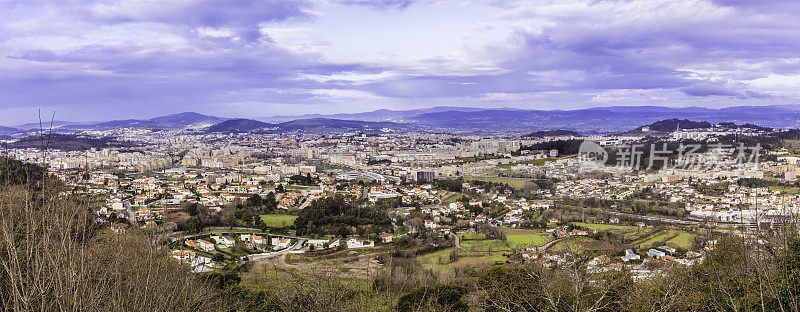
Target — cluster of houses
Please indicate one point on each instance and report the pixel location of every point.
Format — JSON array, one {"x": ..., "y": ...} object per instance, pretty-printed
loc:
[
  {"x": 197, "y": 263},
  {"x": 262, "y": 243}
]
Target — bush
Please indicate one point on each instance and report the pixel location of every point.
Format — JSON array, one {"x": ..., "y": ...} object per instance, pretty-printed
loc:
[{"x": 446, "y": 297}]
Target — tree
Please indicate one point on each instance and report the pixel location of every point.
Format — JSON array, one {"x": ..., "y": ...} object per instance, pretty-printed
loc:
[
  {"x": 52, "y": 258},
  {"x": 254, "y": 201},
  {"x": 443, "y": 297}
]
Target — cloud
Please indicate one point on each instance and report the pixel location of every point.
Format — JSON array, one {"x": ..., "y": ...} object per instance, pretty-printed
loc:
[
  {"x": 185, "y": 54},
  {"x": 706, "y": 89},
  {"x": 195, "y": 13},
  {"x": 380, "y": 4}
]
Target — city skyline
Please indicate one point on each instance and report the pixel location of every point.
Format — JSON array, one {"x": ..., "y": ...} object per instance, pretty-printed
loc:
[{"x": 94, "y": 60}]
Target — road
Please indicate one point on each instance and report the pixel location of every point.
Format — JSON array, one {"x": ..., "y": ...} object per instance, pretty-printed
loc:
[
  {"x": 550, "y": 243},
  {"x": 270, "y": 255},
  {"x": 458, "y": 244},
  {"x": 203, "y": 232}
]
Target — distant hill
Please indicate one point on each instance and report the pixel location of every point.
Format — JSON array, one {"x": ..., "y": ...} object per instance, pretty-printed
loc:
[
  {"x": 67, "y": 142},
  {"x": 600, "y": 120},
  {"x": 318, "y": 124},
  {"x": 744, "y": 126},
  {"x": 673, "y": 124},
  {"x": 553, "y": 133},
  {"x": 15, "y": 172},
  {"x": 471, "y": 120},
  {"x": 311, "y": 125},
  {"x": 168, "y": 122},
  {"x": 8, "y": 130},
  {"x": 238, "y": 125},
  {"x": 44, "y": 124},
  {"x": 376, "y": 115},
  {"x": 186, "y": 119}
]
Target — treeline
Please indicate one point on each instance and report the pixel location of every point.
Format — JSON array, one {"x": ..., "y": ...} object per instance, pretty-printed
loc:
[
  {"x": 54, "y": 257},
  {"x": 454, "y": 185},
  {"x": 337, "y": 216},
  {"x": 670, "y": 125},
  {"x": 15, "y": 172},
  {"x": 757, "y": 182},
  {"x": 735, "y": 276},
  {"x": 246, "y": 213},
  {"x": 306, "y": 179},
  {"x": 564, "y": 147}
]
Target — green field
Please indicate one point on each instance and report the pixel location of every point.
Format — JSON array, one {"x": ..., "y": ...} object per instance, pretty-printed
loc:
[
  {"x": 785, "y": 190},
  {"x": 601, "y": 227},
  {"x": 226, "y": 231},
  {"x": 672, "y": 238},
  {"x": 278, "y": 220},
  {"x": 524, "y": 238},
  {"x": 627, "y": 231},
  {"x": 469, "y": 236},
  {"x": 453, "y": 198},
  {"x": 581, "y": 245},
  {"x": 645, "y": 237},
  {"x": 535, "y": 162},
  {"x": 485, "y": 245},
  {"x": 513, "y": 182},
  {"x": 440, "y": 261}
]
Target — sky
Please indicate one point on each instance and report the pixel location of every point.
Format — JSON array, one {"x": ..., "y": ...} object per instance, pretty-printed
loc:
[{"x": 94, "y": 60}]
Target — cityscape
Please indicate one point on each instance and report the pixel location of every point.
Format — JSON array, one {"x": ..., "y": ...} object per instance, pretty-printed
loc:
[{"x": 280, "y": 156}]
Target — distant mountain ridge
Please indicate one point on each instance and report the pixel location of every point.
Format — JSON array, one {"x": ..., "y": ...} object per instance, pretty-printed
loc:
[
  {"x": 552, "y": 133},
  {"x": 66, "y": 142},
  {"x": 462, "y": 120},
  {"x": 376, "y": 115},
  {"x": 8, "y": 130},
  {"x": 675, "y": 124},
  {"x": 168, "y": 122},
  {"x": 240, "y": 125},
  {"x": 598, "y": 120}
]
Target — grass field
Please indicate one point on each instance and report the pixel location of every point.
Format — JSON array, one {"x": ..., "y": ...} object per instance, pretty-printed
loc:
[
  {"x": 439, "y": 261},
  {"x": 645, "y": 237},
  {"x": 513, "y": 182},
  {"x": 522, "y": 238},
  {"x": 786, "y": 190},
  {"x": 573, "y": 244},
  {"x": 278, "y": 220},
  {"x": 226, "y": 231},
  {"x": 672, "y": 238},
  {"x": 535, "y": 162},
  {"x": 469, "y": 236},
  {"x": 632, "y": 233},
  {"x": 600, "y": 227},
  {"x": 581, "y": 245},
  {"x": 452, "y": 198},
  {"x": 485, "y": 245}
]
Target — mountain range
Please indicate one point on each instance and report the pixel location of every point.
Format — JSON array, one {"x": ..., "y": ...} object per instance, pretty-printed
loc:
[
  {"x": 449, "y": 119},
  {"x": 600, "y": 120},
  {"x": 168, "y": 122},
  {"x": 309, "y": 125}
]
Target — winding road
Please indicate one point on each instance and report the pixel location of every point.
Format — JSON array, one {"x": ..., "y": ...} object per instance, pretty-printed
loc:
[{"x": 270, "y": 255}]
